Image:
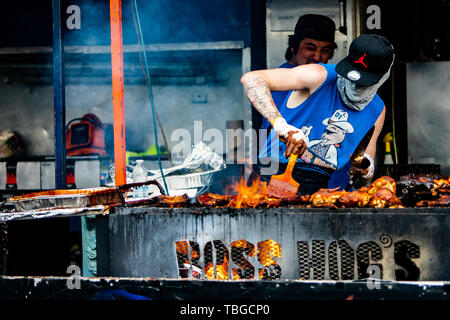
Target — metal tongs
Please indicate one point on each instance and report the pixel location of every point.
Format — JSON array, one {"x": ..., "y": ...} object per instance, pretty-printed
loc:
[{"x": 359, "y": 151}]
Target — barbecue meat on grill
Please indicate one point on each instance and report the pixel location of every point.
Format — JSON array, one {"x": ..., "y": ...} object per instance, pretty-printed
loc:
[
  {"x": 355, "y": 199},
  {"x": 379, "y": 194},
  {"x": 382, "y": 182},
  {"x": 296, "y": 200},
  {"x": 382, "y": 193},
  {"x": 326, "y": 197},
  {"x": 245, "y": 201},
  {"x": 173, "y": 201},
  {"x": 384, "y": 198},
  {"x": 413, "y": 189},
  {"x": 442, "y": 201},
  {"x": 213, "y": 200},
  {"x": 441, "y": 186}
]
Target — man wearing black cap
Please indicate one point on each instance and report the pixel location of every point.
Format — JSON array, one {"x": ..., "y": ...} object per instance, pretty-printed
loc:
[
  {"x": 327, "y": 112},
  {"x": 312, "y": 42}
]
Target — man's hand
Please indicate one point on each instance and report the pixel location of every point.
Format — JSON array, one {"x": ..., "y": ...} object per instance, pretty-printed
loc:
[
  {"x": 294, "y": 145},
  {"x": 363, "y": 167},
  {"x": 291, "y": 136},
  {"x": 282, "y": 128}
]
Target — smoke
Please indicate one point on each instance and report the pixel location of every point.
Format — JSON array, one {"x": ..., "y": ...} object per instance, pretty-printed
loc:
[{"x": 177, "y": 76}]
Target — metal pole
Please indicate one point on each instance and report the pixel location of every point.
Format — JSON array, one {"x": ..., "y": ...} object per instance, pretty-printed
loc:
[
  {"x": 118, "y": 92},
  {"x": 59, "y": 98}
]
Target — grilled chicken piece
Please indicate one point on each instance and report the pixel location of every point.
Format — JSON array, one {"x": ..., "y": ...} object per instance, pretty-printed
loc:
[
  {"x": 383, "y": 198},
  {"x": 383, "y": 182},
  {"x": 326, "y": 197},
  {"x": 358, "y": 198}
]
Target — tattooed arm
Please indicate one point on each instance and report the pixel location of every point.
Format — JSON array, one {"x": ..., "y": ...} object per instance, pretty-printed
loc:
[
  {"x": 258, "y": 92},
  {"x": 259, "y": 84}
]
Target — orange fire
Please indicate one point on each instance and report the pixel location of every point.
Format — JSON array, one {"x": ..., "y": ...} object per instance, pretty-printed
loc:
[
  {"x": 267, "y": 250},
  {"x": 182, "y": 249},
  {"x": 247, "y": 268},
  {"x": 221, "y": 271},
  {"x": 251, "y": 196}
]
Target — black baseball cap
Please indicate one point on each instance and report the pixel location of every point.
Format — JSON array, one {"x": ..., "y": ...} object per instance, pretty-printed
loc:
[
  {"x": 370, "y": 57},
  {"x": 315, "y": 26}
]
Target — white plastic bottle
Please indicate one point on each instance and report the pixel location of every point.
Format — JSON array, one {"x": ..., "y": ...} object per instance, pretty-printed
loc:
[{"x": 140, "y": 175}]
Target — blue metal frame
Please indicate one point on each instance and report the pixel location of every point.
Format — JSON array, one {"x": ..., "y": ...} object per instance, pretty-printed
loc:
[{"x": 59, "y": 99}]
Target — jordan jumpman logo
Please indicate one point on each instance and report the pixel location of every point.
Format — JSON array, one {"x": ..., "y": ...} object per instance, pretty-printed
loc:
[{"x": 360, "y": 60}]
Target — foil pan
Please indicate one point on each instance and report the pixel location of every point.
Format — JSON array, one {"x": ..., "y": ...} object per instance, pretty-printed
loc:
[
  {"x": 72, "y": 198},
  {"x": 77, "y": 198}
]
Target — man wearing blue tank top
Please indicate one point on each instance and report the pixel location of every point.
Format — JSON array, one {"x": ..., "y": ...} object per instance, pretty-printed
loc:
[
  {"x": 312, "y": 42},
  {"x": 326, "y": 113}
]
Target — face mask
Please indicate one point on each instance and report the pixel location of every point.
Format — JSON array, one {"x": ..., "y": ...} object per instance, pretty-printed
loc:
[{"x": 358, "y": 97}]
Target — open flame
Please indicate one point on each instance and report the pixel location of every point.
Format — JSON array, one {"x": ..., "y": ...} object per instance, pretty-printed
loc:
[
  {"x": 238, "y": 249},
  {"x": 221, "y": 270},
  {"x": 251, "y": 196}
]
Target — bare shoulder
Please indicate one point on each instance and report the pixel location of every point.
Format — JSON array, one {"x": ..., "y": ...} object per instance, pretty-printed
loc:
[
  {"x": 311, "y": 75},
  {"x": 313, "y": 68}
]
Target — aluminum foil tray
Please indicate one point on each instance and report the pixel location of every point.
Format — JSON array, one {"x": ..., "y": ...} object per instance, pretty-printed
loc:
[{"x": 73, "y": 198}]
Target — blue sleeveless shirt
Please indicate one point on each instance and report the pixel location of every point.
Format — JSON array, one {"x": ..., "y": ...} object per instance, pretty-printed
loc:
[
  {"x": 277, "y": 96},
  {"x": 332, "y": 130}
]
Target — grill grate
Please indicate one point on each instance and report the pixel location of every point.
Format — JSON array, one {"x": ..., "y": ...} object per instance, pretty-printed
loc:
[
  {"x": 368, "y": 251},
  {"x": 315, "y": 261}
]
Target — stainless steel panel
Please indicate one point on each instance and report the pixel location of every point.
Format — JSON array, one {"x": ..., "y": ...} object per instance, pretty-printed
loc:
[
  {"x": 47, "y": 175},
  {"x": 428, "y": 103},
  {"x": 283, "y": 15},
  {"x": 87, "y": 173},
  {"x": 2, "y": 175},
  {"x": 28, "y": 175}
]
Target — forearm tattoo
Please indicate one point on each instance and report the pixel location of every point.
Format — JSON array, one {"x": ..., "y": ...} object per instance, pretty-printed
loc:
[{"x": 258, "y": 92}]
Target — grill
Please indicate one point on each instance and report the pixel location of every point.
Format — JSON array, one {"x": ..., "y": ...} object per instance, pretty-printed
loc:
[{"x": 285, "y": 243}]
